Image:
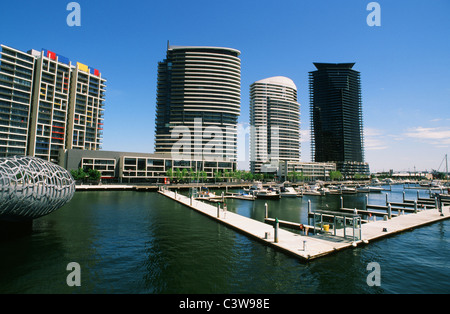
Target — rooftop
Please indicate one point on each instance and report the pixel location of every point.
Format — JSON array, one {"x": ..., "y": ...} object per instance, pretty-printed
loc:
[
  {"x": 278, "y": 80},
  {"x": 172, "y": 47},
  {"x": 322, "y": 66}
]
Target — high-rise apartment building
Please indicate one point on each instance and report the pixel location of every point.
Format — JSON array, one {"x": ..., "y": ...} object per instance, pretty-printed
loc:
[
  {"x": 48, "y": 104},
  {"x": 16, "y": 84},
  {"x": 48, "y": 123},
  {"x": 274, "y": 122},
  {"x": 336, "y": 117},
  {"x": 199, "y": 89},
  {"x": 86, "y": 108}
]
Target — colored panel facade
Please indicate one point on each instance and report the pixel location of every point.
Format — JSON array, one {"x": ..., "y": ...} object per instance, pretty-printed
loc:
[
  {"x": 82, "y": 67},
  {"x": 42, "y": 111},
  {"x": 16, "y": 81},
  {"x": 87, "y": 101},
  {"x": 50, "y": 107}
]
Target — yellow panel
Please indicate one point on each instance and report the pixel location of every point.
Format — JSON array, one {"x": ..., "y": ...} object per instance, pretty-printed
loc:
[{"x": 83, "y": 67}]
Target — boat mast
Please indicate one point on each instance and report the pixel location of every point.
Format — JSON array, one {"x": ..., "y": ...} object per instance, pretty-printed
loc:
[{"x": 446, "y": 167}]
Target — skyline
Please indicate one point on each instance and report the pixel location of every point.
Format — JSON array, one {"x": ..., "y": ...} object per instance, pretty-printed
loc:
[{"x": 402, "y": 62}]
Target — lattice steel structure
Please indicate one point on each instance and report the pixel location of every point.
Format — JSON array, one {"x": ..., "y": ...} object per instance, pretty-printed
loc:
[{"x": 31, "y": 188}]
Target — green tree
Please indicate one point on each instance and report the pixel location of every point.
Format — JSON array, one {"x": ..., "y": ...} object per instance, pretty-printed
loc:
[
  {"x": 335, "y": 175},
  {"x": 203, "y": 175},
  {"x": 226, "y": 175},
  {"x": 94, "y": 174},
  {"x": 79, "y": 174},
  {"x": 217, "y": 175},
  {"x": 248, "y": 176},
  {"x": 191, "y": 175},
  {"x": 178, "y": 175},
  {"x": 169, "y": 174},
  {"x": 184, "y": 175}
]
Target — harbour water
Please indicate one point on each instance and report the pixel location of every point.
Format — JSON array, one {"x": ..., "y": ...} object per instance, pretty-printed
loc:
[{"x": 142, "y": 242}]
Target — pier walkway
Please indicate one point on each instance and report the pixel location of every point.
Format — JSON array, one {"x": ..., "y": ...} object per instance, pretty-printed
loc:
[{"x": 310, "y": 246}]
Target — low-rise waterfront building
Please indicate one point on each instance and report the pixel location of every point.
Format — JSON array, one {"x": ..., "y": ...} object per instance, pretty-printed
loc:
[
  {"x": 128, "y": 167},
  {"x": 303, "y": 170}
]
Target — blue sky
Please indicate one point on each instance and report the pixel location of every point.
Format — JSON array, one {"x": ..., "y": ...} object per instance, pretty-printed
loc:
[{"x": 404, "y": 63}]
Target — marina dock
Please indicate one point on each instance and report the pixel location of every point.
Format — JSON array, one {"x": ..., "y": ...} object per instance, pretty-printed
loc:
[{"x": 310, "y": 242}]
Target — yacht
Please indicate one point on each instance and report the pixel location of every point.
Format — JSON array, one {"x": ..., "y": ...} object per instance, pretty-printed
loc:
[
  {"x": 286, "y": 190},
  {"x": 311, "y": 190},
  {"x": 369, "y": 189},
  {"x": 267, "y": 193},
  {"x": 258, "y": 191},
  {"x": 347, "y": 190},
  {"x": 334, "y": 189},
  {"x": 256, "y": 186},
  {"x": 323, "y": 190}
]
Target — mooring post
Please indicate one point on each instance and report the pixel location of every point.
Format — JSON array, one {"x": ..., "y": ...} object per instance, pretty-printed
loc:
[
  {"x": 223, "y": 197},
  {"x": 387, "y": 199},
  {"x": 309, "y": 211},
  {"x": 342, "y": 202},
  {"x": 436, "y": 203},
  {"x": 415, "y": 207},
  {"x": 345, "y": 227},
  {"x": 218, "y": 210},
  {"x": 267, "y": 210},
  {"x": 417, "y": 194},
  {"x": 403, "y": 196},
  {"x": 389, "y": 211},
  {"x": 275, "y": 238}
]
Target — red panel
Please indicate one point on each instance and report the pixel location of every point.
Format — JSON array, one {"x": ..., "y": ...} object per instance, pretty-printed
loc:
[
  {"x": 96, "y": 72},
  {"x": 51, "y": 55}
]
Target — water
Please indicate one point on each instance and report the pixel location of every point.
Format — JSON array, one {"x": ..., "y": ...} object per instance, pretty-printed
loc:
[{"x": 142, "y": 242}]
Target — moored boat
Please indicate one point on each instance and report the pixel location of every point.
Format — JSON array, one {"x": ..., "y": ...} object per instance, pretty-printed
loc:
[
  {"x": 286, "y": 190},
  {"x": 369, "y": 189}
]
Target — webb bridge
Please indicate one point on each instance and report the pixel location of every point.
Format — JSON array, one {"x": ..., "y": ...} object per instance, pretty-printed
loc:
[{"x": 30, "y": 188}]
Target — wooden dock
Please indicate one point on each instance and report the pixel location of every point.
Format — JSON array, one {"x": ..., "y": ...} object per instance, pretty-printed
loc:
[{"x": 298, "y": 244}]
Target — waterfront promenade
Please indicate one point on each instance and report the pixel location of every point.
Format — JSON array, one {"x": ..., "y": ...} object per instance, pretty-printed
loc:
[
  {"x": 155, "y": 187},
  {"x": 311, "y": 246}
]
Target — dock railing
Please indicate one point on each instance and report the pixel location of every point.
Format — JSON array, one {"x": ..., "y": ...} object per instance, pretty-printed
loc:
[{"x": 324, "y": 220}]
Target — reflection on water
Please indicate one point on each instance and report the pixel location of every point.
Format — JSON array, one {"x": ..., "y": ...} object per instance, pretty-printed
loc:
[{"x": 134, "y": 242}]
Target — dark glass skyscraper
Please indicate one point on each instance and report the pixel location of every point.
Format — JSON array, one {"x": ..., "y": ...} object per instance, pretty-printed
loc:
[{"x": 336, "y": 117}]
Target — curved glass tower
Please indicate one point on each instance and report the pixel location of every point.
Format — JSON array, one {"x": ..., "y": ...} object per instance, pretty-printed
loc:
[
  {"x": 274, "y": 121},
  {"x": 199, "y": 88}
]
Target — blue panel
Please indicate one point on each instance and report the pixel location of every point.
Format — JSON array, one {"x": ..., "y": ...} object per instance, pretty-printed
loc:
[{"x": 63, "y": 59}]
